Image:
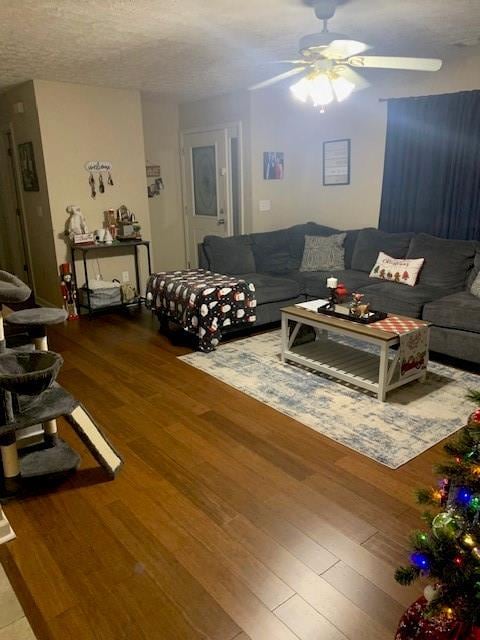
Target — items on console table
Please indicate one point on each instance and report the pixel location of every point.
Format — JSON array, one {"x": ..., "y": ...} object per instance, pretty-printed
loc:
[{"x": 202, "y": 302}]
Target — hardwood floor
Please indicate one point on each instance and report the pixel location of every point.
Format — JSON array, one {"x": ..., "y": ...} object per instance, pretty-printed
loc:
[{"x": 228, "y": 520}]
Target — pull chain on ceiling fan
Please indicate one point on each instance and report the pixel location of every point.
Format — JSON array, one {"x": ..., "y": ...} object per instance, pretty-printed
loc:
[{"x": 327, "y": 59}]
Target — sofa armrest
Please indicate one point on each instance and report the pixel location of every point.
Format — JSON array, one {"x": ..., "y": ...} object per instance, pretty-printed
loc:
[{"x": 203, "y": 262}]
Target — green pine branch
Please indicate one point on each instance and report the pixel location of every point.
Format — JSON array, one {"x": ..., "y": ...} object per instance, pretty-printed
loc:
[
  {"x": 406, "y": 575},
  {"x": 474, "y": 395}
]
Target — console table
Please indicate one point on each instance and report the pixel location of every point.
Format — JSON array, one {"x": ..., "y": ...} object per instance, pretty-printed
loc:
[{"x": 85, "y": 249}]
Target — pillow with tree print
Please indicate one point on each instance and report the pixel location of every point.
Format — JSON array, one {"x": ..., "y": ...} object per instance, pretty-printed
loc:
[{"x": 397, "y": 269}]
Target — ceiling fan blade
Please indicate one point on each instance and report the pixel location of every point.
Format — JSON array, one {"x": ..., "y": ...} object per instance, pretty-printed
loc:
[
  {"x": 393, "y": 62},
  {"x": 352, "y": 76},
  {"x": 289, "y": 62},
  {"x": 342, "y": 49},
  {"x": 281, "y": 76}
]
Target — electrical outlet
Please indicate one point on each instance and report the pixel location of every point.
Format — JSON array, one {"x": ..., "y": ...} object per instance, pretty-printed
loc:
[{"x": 125, "y": 276}]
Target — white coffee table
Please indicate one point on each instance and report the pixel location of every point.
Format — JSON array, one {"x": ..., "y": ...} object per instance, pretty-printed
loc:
[{"x": 377, "y": 373}]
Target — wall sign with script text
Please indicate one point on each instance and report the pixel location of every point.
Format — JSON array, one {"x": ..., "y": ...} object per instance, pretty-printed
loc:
[
  {"x": 336, "y": 162},
  {"x": 96, "y": 179}
]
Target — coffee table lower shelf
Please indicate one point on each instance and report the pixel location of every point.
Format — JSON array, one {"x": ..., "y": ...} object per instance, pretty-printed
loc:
[{"x": 378, "y": 373}]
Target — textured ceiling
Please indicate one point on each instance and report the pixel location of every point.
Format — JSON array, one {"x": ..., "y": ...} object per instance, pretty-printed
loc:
[{"x": 193, "y": 48}]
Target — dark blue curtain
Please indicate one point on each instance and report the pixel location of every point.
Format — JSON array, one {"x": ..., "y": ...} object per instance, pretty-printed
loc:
[{"x": 431, "y": 179}]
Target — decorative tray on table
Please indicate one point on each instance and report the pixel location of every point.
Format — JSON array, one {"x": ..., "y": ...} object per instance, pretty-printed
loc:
[{"x": 373, "y": 316}]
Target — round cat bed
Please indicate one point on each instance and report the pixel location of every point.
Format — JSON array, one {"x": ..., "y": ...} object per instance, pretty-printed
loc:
[
  {"x": 40, "y": 316},
  {"x": 28, "y": 373},
  {"x": 12, "y": 289}
]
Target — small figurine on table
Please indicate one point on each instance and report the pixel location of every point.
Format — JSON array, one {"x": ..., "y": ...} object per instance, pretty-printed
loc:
[
  {"x": 358, "y": 308},
  {"x": 76, "y": 224},
  {"x": 69, "y": 291}
]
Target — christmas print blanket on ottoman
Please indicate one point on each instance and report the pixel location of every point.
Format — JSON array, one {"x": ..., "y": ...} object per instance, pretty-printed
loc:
[{"x": 202, "y": 302}]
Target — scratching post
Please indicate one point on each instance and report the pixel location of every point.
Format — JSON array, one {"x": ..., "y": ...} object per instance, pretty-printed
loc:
[{"x": 41, "y": 344}]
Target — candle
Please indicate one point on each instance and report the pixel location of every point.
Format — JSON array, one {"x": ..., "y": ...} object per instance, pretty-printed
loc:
[{"x": 332, "y": 283}]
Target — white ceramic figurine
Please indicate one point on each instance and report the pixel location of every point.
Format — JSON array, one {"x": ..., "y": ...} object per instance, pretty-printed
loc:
[{"x": 76, "y": 223}]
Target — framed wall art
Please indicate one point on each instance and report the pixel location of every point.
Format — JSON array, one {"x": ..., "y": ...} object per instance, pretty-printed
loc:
[
  {"x": 28, "y": 168},
  {"x": 336, "y": 162},
  {"x": 273, "y": 165}
]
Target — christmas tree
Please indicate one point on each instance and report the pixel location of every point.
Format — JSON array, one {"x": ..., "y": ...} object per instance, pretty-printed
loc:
[{"x": 447, "y": 552}]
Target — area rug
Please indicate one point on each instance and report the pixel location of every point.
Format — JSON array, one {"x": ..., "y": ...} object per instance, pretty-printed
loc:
[{"x": 415, "y": 417}]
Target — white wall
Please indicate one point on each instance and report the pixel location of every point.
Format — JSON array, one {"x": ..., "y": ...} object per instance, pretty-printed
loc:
[
  {"x": 161, "y": 133},
  {"x": 79, "y": 123}
]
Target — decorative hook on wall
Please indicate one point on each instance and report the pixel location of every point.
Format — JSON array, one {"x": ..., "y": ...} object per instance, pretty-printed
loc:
[{"x": 99, "y": 167}]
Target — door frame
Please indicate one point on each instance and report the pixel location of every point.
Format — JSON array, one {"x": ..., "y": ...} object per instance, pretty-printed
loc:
[
  {"x": 13, "y": 189},
  {"x": 217, "y": 127}
]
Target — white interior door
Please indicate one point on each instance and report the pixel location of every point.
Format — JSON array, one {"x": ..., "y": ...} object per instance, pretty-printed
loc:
[{"x": 207, "y": 187}]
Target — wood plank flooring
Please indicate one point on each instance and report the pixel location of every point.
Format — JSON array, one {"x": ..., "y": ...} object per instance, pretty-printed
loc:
[{"x": 229, "y": 521}]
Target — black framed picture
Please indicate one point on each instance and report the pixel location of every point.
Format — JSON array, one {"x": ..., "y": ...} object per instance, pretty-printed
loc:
[
  {"x": 28, "y": 168},
  {"x": 336, "y": 162}
]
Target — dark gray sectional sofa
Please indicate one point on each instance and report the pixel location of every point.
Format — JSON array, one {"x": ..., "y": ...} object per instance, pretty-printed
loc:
[{"x": 272, "y": 260}]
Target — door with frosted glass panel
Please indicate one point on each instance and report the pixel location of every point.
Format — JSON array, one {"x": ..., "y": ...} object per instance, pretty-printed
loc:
[{"x": 206, "y": 188}]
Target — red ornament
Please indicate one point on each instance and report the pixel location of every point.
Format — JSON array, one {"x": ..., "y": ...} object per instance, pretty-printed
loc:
[
  {"x": 474, "y": 419},
  {"x": 341, "y": 291}
]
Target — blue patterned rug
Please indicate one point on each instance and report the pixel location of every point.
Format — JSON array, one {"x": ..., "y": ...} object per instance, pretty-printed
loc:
[{"x": 415, "y": 417}]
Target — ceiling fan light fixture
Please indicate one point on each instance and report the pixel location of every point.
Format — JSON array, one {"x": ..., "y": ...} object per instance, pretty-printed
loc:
[
  {"x": 301, "y": 89},
  {"x": 321, "y": 91},
  {"x": 342, "y": 88},
  {"x": 322, "y": 88}
]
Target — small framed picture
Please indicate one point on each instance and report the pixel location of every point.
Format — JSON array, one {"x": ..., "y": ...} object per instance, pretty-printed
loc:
[
  {"x": 336, "y": 162},
  {"x": 273, "y": 165},
  {"x": 28, "y": 168}
]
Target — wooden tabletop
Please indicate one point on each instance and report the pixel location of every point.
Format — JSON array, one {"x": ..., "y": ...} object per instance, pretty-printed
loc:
[{"x": 339, "y": 323}]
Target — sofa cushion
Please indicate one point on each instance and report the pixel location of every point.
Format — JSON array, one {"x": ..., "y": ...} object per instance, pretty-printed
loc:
[
  {"x": 475, "y": 269},
  {"x": 396, "y": 298},
  {"x": 297, "y": 240},
  {"x": 271, "y": 250},
  {"x": 324, "y": 253},
  {"x": 447, "y": 262},
  {"x": 231, "y": 255},
  {"x": 459, "y": 310},
  {"x": 475, "y": 287},
  {"x": 371, "y": 241},
  {"x": 270, "y": 288},
  {"x": 349, "y": 246},
  {"x": 314, "y": 283}
]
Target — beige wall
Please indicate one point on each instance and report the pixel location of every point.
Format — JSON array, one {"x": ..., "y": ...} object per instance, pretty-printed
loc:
[
  {"x": 279, "y": 123},
  {"x": 221, "y": 110},
  {"x": 80, "y": 123},
  {"x": 161, "y": 133},
  {"x": 25, "y": 128}
]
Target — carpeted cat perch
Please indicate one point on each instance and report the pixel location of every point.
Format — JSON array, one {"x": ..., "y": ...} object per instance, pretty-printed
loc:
[{"x": 29, "y": 395}]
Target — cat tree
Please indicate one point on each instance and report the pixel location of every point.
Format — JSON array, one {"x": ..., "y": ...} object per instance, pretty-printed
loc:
[{"x": 29, "y": 395}]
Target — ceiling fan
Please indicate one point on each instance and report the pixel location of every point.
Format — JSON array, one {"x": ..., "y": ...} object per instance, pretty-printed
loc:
[{"x": 329, "y": 59}]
